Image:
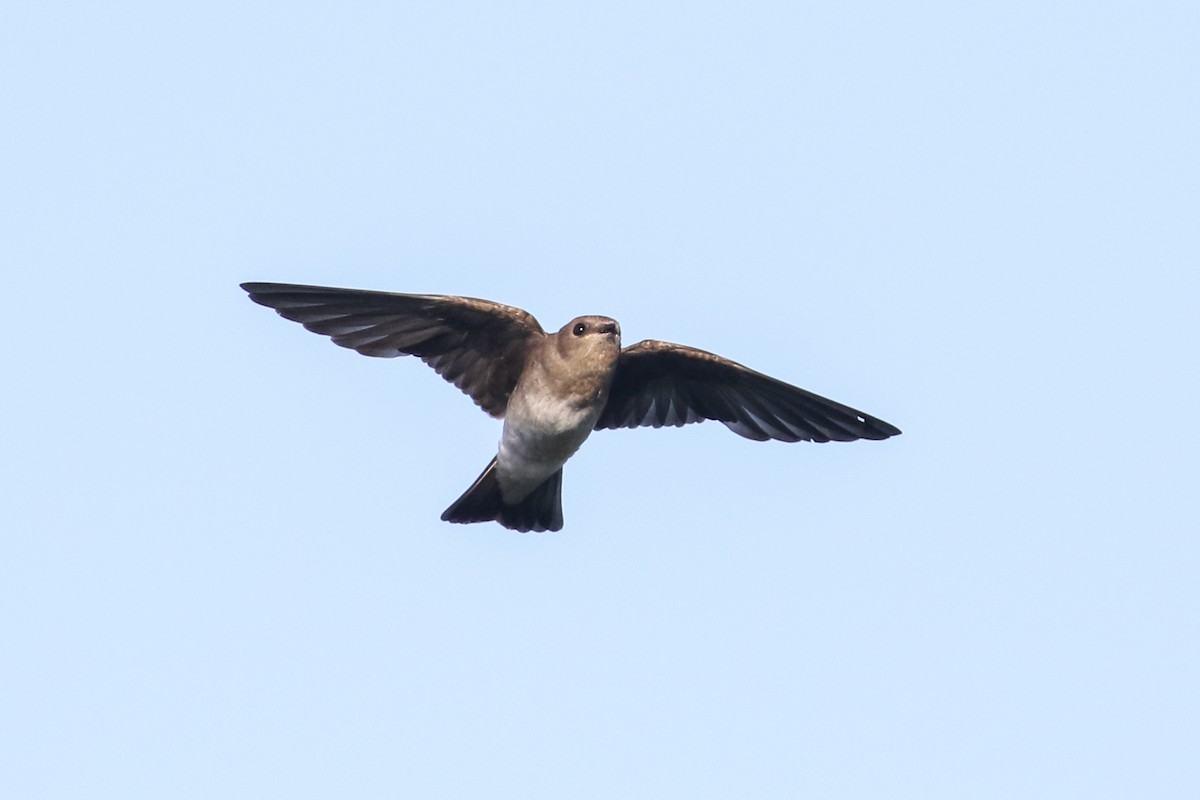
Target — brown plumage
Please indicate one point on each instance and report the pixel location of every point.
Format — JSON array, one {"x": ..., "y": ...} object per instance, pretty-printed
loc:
[{"x": 552, "y": 390}]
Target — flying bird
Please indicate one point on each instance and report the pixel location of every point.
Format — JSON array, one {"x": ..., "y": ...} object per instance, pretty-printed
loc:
[{"x": 553, "y": 389}]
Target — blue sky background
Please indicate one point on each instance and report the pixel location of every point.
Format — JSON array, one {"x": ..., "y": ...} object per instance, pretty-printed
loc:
[{"x": 222, "y": 572}]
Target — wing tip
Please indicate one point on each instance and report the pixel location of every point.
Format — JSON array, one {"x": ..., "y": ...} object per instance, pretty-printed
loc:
[
  {"x": 258, "y": 290},
  {"x": 879, "y": 430}
]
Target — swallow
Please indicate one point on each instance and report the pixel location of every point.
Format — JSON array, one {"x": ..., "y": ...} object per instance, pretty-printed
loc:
[{"x": 553, "y": 389}]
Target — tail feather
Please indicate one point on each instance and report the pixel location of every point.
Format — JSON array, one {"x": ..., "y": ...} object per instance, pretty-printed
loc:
[{"x": 541, "y": 510}]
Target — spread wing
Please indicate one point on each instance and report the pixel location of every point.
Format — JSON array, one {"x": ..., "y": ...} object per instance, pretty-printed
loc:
[
  {"x": 477, "y": 345},
  {"x": 658, "y": 383}
]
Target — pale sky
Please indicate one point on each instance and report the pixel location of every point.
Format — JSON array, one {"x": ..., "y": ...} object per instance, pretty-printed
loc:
[{"x": 222, "y": 570}]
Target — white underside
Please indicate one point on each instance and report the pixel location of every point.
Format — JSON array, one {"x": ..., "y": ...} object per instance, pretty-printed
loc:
[{"x": 539, "y": 436}]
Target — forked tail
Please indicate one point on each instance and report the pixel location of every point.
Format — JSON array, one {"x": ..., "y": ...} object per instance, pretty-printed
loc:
[{"x": 540, "y": 510}]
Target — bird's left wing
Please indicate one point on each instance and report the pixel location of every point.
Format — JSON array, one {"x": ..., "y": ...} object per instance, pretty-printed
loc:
[
  {"x": 477, "y": 345},
  {"x": 658, "y": 383}
]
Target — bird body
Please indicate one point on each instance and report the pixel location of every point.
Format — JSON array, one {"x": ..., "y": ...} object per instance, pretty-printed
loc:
[
  {"x": 553, "y": 390},
  {"x": 556, "y": 403}
]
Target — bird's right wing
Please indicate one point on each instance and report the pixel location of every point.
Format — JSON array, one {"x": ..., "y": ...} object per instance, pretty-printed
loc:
[
  {"x": 658, "y": 383},
  {"x": 477, "y": 345}
]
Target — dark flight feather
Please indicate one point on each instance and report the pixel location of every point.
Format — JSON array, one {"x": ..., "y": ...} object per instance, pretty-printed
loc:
[
  {"x": 477, "y": 345},
  {"x": 658, "y": 384}
]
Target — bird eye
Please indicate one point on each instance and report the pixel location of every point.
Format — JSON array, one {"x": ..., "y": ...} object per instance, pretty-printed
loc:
[{"x": 579, "y": 330}]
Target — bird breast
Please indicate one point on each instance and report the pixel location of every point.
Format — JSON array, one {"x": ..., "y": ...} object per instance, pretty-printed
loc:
[{"x": 544, "y": 427}]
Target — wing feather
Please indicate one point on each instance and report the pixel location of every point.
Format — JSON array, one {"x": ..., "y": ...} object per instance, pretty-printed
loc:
[
  {"x": 658, "y": 383},
  {"x": 477, "y": 345}
]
